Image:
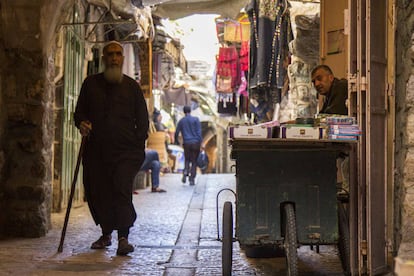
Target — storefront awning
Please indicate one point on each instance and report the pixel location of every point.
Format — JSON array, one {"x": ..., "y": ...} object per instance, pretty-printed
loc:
[{"x": 174, "y": 9}]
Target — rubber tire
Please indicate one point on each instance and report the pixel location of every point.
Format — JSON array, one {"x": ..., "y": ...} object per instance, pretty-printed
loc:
[
  {"x": 344, "y": 240},
  {"x": 290, "y": 240},
  {"x": 227, "y": 244}
]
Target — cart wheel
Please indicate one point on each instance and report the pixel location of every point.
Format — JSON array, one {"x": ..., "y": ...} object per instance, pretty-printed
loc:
[
  {"x": 343, "y": 242},
  {"x": 290, "y": 241},
  {"x": 227, "y": 246}
]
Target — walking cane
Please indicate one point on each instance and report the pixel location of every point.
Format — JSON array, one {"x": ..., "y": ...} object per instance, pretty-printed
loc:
[{"x": 72, "y": 192}]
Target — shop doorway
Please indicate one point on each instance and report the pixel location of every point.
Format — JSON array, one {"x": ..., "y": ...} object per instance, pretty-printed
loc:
[{"x": 368, "y": 85}]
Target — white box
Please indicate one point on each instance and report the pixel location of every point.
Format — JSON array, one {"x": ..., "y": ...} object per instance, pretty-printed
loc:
[
  {"x": 252, "y": 131},
  {"x": 300, "y": 132}
]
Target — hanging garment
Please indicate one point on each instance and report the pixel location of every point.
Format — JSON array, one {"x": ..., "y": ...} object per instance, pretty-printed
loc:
[
  {"x": 228, "y": 70},
  {"x": 263, "y": 102},
  {"x": 242, "y": 90},
  {"x": 243, "y": 94},
  {"x": 220, "y": 29},
  {"x": 163, "y": 70},
  {"x": 306, "y": 43},
  {"x": 226, "y": 103},
  {"x": 269, "y": 38},
  {"x": 128, "y": 68},
  {"x": 243, "y": 104},
  {"x": 261, "y": 111},
  {"x": 244, "y": 56},
  {"x": 177, "y": 96},
  {"x": 300, "y": 101},
  {"x": 237, "y": 31}
]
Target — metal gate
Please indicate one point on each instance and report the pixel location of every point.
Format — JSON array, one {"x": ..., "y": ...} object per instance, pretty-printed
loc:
[
  {"x": 368, "y": 102},
  {"x": 73, "y": 76}
]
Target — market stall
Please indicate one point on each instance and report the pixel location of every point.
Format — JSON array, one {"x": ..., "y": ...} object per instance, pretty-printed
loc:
[{"x": 287, "y": 197}]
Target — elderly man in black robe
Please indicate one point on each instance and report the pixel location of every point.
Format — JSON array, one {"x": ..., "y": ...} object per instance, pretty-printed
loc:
[{"x": 111, "y": 111}]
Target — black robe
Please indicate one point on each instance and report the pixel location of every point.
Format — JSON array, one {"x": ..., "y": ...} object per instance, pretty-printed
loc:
[{"x": 115, "y": 148}]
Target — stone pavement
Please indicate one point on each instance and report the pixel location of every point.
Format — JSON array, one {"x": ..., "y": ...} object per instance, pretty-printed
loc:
[{"x": 175, "y": 234}]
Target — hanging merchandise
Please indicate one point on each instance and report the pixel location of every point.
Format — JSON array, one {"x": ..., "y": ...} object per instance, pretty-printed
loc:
[
  {"x": 306, "y": 43},
  {"x": 243, "y": 94},
  {"x": 300, "y": 100},
  {"x": 269, "y": 39},
  {"x": 178, "y": 96},
  {"x": 270, "y": 35},
  {"x": 162, "y": 70},
  {"x": 226, "y": 103},
  {"x": 227, "y": 73},
  {"x": 259, "y": 105},
  {"x": 220, "y": 25},
  {"x": 237, "y": 30},
  {"x": 224, "y": 84},
  {"x": 243, "y": 104},
  {"x": 242, "y": 90},
  {"x": 244, "y": 56}
]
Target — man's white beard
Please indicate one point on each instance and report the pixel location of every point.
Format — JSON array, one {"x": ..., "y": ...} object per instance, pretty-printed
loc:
[{"x": 113, "y": 74}]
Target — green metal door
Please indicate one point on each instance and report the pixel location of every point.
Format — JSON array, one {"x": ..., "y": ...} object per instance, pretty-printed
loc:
[{"x": 74, "y": 75}]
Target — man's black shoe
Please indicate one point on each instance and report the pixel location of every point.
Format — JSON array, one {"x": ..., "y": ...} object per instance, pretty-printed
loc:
[
  {"x": 124, "y": 247},
  {"x": 102, "y": 242}
]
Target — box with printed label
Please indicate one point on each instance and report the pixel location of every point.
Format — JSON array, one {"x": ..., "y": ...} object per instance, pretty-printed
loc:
[
  {"x": 253, "y": 131},
  {"x": 301, "y": 132}
]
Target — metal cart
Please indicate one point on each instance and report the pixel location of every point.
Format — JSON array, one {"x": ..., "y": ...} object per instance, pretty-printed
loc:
[{"x": 286, "y": 197}]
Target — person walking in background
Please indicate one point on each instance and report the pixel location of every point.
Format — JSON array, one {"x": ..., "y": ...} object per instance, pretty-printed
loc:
[
  {"x": 190, "y": 129},
  {"x": 112, "y": 112},
  {"x": 152, "y": 162}
]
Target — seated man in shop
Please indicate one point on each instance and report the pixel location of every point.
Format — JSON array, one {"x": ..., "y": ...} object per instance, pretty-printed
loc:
[
  {"x": 152, "y": 162},
  {"x": 334, "y": 90}
]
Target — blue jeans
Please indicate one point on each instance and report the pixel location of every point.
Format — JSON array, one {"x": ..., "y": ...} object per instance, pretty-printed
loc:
[{"x": 152, "y": 162}]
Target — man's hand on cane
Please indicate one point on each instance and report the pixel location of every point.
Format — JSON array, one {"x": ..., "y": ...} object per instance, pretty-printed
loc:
[{"x": 85, "y": 127}]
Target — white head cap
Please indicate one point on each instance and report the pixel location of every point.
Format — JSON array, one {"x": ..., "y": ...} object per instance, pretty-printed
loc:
[{"x": 112, "y": 42}]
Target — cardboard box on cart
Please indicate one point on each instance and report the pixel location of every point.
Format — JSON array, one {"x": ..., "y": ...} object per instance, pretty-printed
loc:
[
  {"x": 293, "y": 131},
  {"x": 251, "y": 131}
]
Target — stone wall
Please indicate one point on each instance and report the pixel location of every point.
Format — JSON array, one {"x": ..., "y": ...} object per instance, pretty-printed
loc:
[
  {"x": 404, "y": 125},
  {"x": 28, "y": 29}
]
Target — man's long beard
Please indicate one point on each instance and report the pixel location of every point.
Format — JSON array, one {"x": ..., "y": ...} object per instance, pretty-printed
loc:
[{"x": 113, "y": 74}]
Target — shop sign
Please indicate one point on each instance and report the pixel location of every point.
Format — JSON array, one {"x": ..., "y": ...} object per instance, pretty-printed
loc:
[{"x": 197, "y": 67}]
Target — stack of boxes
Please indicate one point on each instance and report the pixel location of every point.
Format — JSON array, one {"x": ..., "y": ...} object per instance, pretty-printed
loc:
[{"x": 342, "y": 128}]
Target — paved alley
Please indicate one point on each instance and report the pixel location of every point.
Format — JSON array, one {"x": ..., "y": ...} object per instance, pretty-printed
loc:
[{"x": 175, "y": 234}]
